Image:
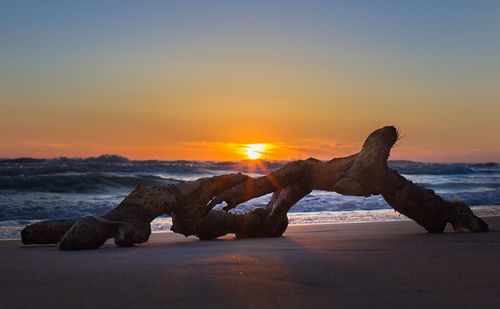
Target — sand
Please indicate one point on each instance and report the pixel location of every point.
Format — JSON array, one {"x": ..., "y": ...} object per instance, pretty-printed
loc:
[{"x": 391, "y": 264}]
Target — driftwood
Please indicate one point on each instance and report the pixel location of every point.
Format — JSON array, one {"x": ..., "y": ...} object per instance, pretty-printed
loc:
[{"x": 191, "y": 204}]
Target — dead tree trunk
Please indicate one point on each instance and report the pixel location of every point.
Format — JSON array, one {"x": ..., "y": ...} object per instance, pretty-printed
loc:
[{"x": 191, "y": 203}]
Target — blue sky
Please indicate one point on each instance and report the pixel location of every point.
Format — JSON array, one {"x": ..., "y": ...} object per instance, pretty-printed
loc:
[{"x": 335, "y": 69}]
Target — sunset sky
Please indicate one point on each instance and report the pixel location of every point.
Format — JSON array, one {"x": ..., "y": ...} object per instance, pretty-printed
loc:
[{"x": 202, "y": 79}]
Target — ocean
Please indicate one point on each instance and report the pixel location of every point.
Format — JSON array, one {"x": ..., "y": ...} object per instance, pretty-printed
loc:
[{"x": 36, "y": 189}]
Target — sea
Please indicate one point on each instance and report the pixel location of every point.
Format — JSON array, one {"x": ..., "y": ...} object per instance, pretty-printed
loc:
[{"x": 39, "y": 189}]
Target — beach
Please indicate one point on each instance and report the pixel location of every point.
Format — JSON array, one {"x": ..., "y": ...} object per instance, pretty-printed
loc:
[{"x": 351, "y": 265}]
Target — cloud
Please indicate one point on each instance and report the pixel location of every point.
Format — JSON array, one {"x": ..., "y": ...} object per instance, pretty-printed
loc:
[{"x": 43, "y": 144}]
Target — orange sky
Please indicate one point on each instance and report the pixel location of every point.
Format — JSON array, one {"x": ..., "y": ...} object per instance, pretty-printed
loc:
[{"x": 181, "y": 83}]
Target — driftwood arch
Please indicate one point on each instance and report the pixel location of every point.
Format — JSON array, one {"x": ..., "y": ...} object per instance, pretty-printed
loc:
[{"x": 191, "y": 204}]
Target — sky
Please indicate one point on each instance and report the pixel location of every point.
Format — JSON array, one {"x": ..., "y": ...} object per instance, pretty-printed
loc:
[{"x": 198, "y": 80}]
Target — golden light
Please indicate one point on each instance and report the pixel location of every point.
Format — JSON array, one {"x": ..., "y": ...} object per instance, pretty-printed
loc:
[{"x": 254, "y": 151}]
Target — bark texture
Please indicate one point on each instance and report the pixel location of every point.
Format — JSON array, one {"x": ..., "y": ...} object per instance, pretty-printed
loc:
[{"x": 191, "y": 203}]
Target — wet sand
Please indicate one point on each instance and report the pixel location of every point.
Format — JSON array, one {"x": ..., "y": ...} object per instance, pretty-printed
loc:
[{"x": 389, "y": 264}]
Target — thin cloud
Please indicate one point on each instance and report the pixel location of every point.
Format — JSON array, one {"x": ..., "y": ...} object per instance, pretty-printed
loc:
[
  {"x": 323, "y": 149},
  {"x": 43, "y": 144}
]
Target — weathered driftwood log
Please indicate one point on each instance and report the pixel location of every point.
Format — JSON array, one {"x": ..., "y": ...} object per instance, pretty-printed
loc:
[
  {"x": 191, "y": 203},
  {"x": 129, "y": 222}
]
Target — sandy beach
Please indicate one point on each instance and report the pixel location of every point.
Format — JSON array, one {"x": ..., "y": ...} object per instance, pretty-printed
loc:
[{"x": 332, "y": 265}]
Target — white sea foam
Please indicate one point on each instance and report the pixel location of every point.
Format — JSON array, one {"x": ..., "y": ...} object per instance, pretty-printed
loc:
[{"x": 11, "y": 229}]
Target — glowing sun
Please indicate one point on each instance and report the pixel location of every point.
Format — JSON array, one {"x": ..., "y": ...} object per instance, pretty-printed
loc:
[{"x": 254, "y": 151}]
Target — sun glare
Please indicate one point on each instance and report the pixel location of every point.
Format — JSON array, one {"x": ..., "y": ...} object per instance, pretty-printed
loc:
[{"x": 254, "y": 151}]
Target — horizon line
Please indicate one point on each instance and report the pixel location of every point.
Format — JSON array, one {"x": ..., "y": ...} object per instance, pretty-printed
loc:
[{"x": 243, "y": 160}]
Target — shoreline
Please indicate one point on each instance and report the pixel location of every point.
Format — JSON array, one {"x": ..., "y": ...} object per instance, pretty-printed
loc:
[
  {"x": 162, "y": 225},
  {"x": 323, "y": 265}
]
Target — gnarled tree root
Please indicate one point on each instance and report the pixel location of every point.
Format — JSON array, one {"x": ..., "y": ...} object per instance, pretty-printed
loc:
[{"x": 191, "y": 203}]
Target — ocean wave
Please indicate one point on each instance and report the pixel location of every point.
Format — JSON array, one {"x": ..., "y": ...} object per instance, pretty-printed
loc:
[
  {"x": 45, "y": 205},
  {"x": 423, "y": 168},
  {"x": 463, "y": 186},
  {"x": 419, "y": 168},
  {"x": 116, "y": 163},
  {"x": 79, "y": 182}
]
